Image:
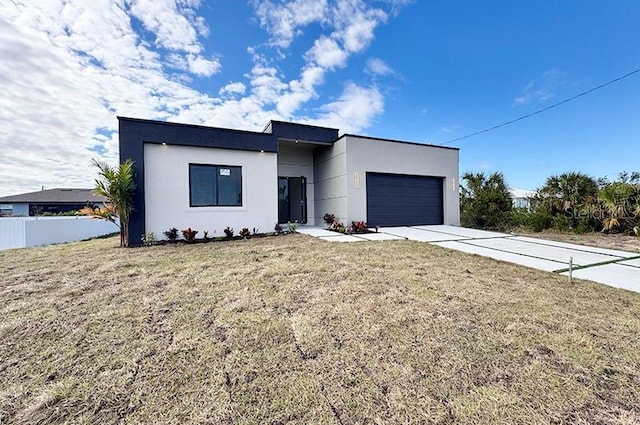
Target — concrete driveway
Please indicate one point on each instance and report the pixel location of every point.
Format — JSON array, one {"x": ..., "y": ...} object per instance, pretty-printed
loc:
[{"x": 611, "y": 267}]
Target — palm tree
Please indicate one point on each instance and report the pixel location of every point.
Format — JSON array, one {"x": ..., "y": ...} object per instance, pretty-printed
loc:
[
  {"x": 621, "y": 203},
  {"x": 117, "y": 186},
  {"x": 568, "y": 192},
  {"x": 485, "y": 201}
]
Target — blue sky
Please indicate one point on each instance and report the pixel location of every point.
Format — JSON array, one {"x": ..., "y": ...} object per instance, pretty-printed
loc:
[{"x": 424, "y": 71}]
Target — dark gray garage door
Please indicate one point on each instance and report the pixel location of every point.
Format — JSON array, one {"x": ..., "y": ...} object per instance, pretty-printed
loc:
[{"x": 401, "y": 200}]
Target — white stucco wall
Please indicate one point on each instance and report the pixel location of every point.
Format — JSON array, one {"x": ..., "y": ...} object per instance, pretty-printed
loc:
[
  {"x": 381, "y": 156},
  {"x": 296, "y": 160},
  {"x": 166, "y": 184},
  {"x": 330, "y": 167}
]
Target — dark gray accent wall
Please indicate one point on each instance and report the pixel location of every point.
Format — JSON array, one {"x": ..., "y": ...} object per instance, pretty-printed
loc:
[
  {"x": 134, "y": 133},
  {"x": 292, "y": 131}
]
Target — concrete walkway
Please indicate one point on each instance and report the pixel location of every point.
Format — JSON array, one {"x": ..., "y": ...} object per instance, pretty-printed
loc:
[{"x": 611, "y": 267}]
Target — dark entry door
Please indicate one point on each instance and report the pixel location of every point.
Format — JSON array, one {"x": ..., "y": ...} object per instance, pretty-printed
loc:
[
  {"x": 404, "y": 200},
  {"x": 292, "y": 199}
]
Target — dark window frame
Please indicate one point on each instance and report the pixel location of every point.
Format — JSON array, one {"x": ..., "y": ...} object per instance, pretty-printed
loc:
[{"x": 217, "y": 167}]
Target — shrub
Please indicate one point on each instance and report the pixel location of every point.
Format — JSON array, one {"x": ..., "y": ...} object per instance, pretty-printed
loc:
[
  {"x": 255, "y": 231},
  {"x": 245, "y": 233},
  {"x": 171, "y": 234},
  {"x": 485, "y": 201},
  {"x": 583, "y": 228},
  {"x": 561, "y": 222},
  {"x": 540, "y": 220},
  {"x": 205, "y": 235},
  {"x": 277, "y": 228},
  {"x": 189, "y": 234},
  {"x": 292, "y": 226},
  {"x": 520, "y": 217},
  {"x": 59, "y": 214},
  {"x": 228, "y": 231},
  {"x": 359, "y": 227},
  {"x": 336, "y": 226},
  {"x": 329, "y": 218},
  {"x": 148, "y": 238}
]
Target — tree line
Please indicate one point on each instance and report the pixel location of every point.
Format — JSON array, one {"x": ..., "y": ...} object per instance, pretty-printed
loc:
[{"x": 572, "y": 201}]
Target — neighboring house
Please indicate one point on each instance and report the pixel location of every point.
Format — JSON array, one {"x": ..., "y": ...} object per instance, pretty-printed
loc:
[
  {"x": 210, "y": 178},
  {"x": 53, "y": 201},
  {"x": 521, "y": 197}
]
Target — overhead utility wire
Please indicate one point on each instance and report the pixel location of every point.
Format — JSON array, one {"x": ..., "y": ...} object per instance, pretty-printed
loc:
[{"x": 486, "y": 130}]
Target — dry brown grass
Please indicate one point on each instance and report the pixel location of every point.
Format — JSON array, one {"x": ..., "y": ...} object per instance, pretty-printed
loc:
[
  {"x": 598, "y": 239},
  {"x": 297, "y": 330}
]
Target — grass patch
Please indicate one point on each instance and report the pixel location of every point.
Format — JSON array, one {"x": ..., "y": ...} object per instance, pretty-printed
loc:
[{"x": 295, "y": 329}]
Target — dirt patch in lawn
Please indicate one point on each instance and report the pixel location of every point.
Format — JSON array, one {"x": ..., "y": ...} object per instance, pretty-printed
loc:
[
  {"x": 600, "y": 240},
  {"x": 298, "y": 330}
]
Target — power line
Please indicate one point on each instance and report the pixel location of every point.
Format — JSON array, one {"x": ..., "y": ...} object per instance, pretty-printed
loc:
[{"x": 486, "y": 130}]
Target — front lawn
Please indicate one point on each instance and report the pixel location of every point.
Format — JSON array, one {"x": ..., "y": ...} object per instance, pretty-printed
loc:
[
  {"x": 598, "y": 239},
  {"x": 293, "y": 329}
]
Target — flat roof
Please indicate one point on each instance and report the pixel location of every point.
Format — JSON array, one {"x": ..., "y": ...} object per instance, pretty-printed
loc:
[
  {"x": 398, "y": 141},
  {"x": 180, "y": 124}
]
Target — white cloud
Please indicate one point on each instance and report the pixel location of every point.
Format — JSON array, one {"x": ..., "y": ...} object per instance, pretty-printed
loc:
[
  {"x": 232, "y": 89},
  {"x": 69, "y": 67},
  {"x": 358, "y": 24},
  {"x": 284, "y": 19},
  {"x": 326, "y": 53},
  {"x": 377, "y": 66},
  {"x": 199, "y": 65},
  {"x": 177, "y": 28},
  {"x": 351, "y": 24},
  {"x": 541, "y": 89},
  {"x": 354, "y": 110}
]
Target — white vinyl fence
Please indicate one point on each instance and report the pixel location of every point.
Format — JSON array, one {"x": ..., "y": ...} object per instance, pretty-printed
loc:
[{"x": 21, "y": 232}]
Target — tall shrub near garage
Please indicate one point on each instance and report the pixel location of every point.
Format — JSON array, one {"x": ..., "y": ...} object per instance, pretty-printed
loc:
[
  {"x": 117, "y": 185},
  {"x": 485, "y": 201}
]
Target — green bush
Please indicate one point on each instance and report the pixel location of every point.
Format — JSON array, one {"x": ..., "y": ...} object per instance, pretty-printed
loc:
[
  {"x": 540, "y": 220},
  {"x": 520, "y": 217},
  {"x": 485, "y": 201},
  {"x": 561, "y": 222},
  {"x": 583, "y": 228}
]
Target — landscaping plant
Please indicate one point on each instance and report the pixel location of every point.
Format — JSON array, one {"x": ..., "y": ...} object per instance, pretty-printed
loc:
[
  {"x": 245, "y": 233},
  {"x": 228, "y": 231},
  {"x": 337, "y": 226},
  {"x": 117, "y": 186},
  {"x": 189, "y": 234},
  {"x": 329, "y": 218},
  {"x": 485, "y": 201},
  {"x": 148, "y": 238},
  {"x": 171, "y": 234},
  {"x": 359, "y": 227}
]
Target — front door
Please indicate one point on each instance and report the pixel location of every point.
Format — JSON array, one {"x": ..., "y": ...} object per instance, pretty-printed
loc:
[{"x": 292, "y": 199}]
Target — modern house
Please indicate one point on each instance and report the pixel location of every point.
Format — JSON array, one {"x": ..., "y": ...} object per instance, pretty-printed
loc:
[
  {"x": 52, "y": 201},
  {"x": 210, "y": 178}
]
